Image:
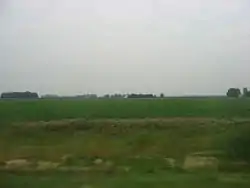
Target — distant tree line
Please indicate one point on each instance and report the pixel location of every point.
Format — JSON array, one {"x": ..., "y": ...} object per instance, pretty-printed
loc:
[
  {"x": 85, "y": 96},
  {"x": 19, "y": 95},
  {"x": 232, "y": 92},
  {"x": 106, "y": 96},
  {"x": 113, "y": 96},
  {"x": 236, "y": 93},
  {"x": 33, "y": 95},
  {"x": 145, "y": 96}
]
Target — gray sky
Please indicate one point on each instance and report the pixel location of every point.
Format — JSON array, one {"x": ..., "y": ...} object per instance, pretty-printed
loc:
[{"x": 179, "y": 47}]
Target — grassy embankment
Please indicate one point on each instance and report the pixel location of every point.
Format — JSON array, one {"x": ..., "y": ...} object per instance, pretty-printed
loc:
[{"x": 179, "y": 127}]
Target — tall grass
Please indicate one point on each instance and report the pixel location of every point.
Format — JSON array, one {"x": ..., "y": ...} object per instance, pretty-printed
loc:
[
  {"x": 132, "y": 180},
  {"x": 236, "y": 141},
  {"x": 110, "y": 139}
]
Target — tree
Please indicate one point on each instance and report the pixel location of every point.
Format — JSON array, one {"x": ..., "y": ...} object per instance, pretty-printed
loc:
[
  {"x": 145, "y": 96},
  {"x": 246, "y": 93},
  {"x": 49, "y": 96},
  {"x": 162, "y": 95},
  {"x": 233, "y": 92},
  {"x": 19, "y": 95},
  {"x": 236, "y": 143},
  {"x": 107, "y": 96}
]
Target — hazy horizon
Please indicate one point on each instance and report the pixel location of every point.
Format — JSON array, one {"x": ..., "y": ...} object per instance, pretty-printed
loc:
[{"x": 175, "y": 47}]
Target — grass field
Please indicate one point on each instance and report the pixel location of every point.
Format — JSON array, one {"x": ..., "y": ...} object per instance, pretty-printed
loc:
[
  {"x": 130, "y": 134},
  {"x": 135, "y": 180},
  {"x": 44, "y": 110}
]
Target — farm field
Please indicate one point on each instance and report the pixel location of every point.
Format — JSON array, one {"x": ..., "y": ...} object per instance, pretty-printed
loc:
[
  {"x": 120, "y": 143},
  {"x": 45, "y": 110},
  {"x": 139, "y": 180}
]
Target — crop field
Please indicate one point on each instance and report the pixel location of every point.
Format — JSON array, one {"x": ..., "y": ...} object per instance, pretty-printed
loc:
[
  {"x": 45, "y": 110},
  {"x": 121, "y": 143}
]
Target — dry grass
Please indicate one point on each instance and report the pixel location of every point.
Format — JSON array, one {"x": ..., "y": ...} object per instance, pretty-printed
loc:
[
  {"x": 134, "y": 152},
  {"x": 168, "y": 137}
]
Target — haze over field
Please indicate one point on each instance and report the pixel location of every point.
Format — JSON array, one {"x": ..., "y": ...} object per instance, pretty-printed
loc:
[{"x": 178, "y": 47}]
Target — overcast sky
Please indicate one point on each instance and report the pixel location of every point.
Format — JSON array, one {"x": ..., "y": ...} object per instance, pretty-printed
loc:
[{"x": 178, "y": 47}]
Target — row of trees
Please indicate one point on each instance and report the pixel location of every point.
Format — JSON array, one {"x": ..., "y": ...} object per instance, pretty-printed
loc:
[
  {"x": 136, "y": 96},
  {"x": 106, "y": 96},
  {"x": 232, "y": 92},
  {"x": 20, "y": 95},
  {"x": 236, "y": 93},
  {"x": 32, "y": 95}
]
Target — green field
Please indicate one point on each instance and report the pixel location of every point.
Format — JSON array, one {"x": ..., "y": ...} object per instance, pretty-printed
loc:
[
  {"x": 129, "y": 134},
  {"x": 143, "y": 108},
  {"x": 135, "y": 180}
]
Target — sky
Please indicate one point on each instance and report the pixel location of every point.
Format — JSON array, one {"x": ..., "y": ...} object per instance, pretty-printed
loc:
[{"x": 175, "y": 47}]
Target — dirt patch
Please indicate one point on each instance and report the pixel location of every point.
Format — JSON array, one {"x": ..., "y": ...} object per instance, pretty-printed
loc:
[
  {"x": 18, "y": 164},
  {"x": 114, "y": 122},
  {"x": 200, "y": 162},
  {"x": 47, "y": 165}
]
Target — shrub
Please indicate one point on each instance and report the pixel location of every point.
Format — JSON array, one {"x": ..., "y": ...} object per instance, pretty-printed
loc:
[
  {"x": 237, "y": 145},
  {"x": 233, "y": 92}
]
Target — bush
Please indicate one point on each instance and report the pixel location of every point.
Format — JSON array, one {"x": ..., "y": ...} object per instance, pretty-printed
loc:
[
  {"x": 233, "y": 92},
  {"x": 237, "y": 145},
  {"x": 19, "y": 95}
]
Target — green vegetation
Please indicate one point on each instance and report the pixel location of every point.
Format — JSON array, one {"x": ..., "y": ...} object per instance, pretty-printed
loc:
[
  {"x": 135, "y": 180},
  {"x": 109, "y": 138},
  {"x": 237, "y": 142},
  {"x": 141, "y": 145},
  {"x": 124, "y": 143},
  {"x": 234, "y": 92},
  {"x": 45, "y": 110}
]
